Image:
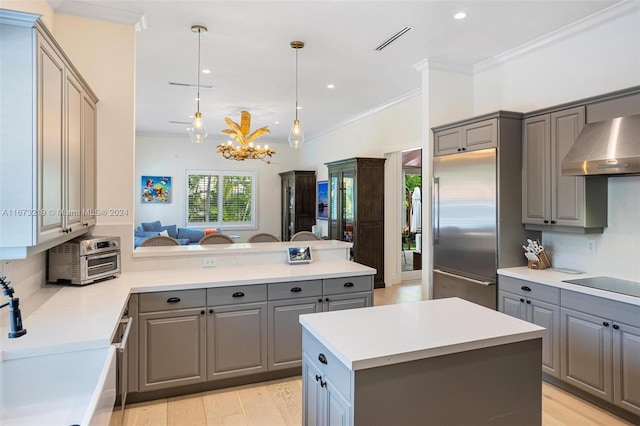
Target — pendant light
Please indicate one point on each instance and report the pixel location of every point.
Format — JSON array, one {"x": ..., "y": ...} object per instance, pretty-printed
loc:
[
  {"x": 198, "y": 132},
  {"x": 296, "y": 135}
]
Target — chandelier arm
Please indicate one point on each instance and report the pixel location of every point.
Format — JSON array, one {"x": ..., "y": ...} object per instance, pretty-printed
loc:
[{"x": 198, "y": 96}]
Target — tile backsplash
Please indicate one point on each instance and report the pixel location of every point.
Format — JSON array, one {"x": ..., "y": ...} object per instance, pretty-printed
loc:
[{"x": 617, "y": 249}]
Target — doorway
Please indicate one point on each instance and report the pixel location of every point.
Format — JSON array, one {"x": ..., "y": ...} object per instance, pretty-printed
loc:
[{"x": 411, "y": 247}]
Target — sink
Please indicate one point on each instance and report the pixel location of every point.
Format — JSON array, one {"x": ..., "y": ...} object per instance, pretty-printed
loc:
[{"x": 65, "y": 389}]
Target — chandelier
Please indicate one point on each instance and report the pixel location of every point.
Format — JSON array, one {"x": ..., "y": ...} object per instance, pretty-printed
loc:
[{"x": 245, "y": 149}]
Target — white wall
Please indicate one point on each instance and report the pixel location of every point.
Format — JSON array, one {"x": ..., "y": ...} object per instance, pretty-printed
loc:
[
  {"x": 174, "y": 155},
  {"x": 378, "y": 135},
  {"x": 602, "y": 60},
  {"x": 605, "y": 59}
]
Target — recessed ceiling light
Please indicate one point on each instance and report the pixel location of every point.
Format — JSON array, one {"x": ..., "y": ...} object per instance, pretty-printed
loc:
[
  {"x": 206, "y": 71},
  {"x": 460, "y": 15},
  {"x": 330, "y": 86},
  {"x": 276, "y": 122}
]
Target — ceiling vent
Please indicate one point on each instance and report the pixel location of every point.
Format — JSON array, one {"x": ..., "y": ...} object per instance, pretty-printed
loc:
[{"x": 393, "y": 38}]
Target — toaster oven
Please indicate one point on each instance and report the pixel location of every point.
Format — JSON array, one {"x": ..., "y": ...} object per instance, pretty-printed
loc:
[{"x": 84, "y": 260}]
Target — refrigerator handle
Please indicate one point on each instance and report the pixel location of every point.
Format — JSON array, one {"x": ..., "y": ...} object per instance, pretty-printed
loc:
[
  {"x": 449, "y": 274},
  {"x": 436, "y": 210}
]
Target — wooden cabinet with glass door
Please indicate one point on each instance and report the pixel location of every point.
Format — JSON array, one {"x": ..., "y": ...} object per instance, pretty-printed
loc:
[{"x": 356, "y": 210}]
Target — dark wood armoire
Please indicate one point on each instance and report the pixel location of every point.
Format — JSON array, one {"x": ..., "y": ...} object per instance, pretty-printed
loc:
[{"x": 356, "y": 209}]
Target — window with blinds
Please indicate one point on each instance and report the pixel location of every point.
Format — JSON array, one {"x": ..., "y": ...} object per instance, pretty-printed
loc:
[{"x": 221, "y": 199}]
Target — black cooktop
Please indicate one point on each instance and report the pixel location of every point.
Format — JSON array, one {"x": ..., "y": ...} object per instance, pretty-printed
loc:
[{"x": 630, "y": 288}]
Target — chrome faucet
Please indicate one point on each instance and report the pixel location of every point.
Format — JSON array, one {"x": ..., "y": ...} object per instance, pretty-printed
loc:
[{"x": 16, "y": 317}]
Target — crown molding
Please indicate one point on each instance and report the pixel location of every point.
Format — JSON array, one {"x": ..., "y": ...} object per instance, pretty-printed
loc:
[
  {"x": 368, "y": 113},
  {"x": 93, "y": 10},
  {"x": 601, "y": 17},
  {"x": 18, "y": 19}
]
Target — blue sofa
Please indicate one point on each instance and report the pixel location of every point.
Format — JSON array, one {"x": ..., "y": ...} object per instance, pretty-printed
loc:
[{"x": 151, "y": 229}]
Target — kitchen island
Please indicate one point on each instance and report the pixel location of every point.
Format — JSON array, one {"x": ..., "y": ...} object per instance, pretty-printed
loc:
[{"x": 445, "y": 361}]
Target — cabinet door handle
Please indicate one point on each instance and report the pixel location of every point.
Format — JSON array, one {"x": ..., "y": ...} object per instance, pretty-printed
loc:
[
  {"x": 616, "y": 327},
  {"x": 202, "y": 312},
  {"x": 348, "y": 284},
  {"x": 464, "y": 149},
  {"x": 323, "y": 384},
  {"x": 322, "y": 358},
  {"x": 606, "y": 324},
  {"x": 296, "y": 290},
  {"x": 320, "y": 300},
  {"x": 525, "y": 288},
  {"x": 553, "y": 222},
  {"x": 528, "y": 302},
  {"x": 326, "y": 299},
  {"x": 210, "y": 311},
  {"x": 545, "y": 221},
  {"x": 173, "y": 300},
  {"x": 318, "y": 377},
  {"x": 522, "y": 300},
  {"x": 238, "y": 294}
]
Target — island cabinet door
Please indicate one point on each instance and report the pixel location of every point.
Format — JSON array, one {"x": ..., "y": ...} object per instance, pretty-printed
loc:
[
  {"x": 586, "y": 352},
  {"x": 285, "y": 331},
  {"x": 172, "y": 348},
  {"x": 236, "y": 340},
  {"x": 339, "y": 302},
  {"x": 314, "y": 398}
]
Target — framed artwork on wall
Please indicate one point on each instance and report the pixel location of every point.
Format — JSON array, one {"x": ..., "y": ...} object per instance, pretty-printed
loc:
[
  {"x": 156, "y": 189},
  {"x": 323, "y": 199}
]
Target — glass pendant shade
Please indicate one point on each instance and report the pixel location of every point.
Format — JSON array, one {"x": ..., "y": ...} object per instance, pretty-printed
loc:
[
  {"x": 296, "y": 135},
  {"x": 198, "y": 132}
]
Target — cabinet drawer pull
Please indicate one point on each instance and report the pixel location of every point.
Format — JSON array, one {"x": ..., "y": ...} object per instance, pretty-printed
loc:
[
  {"x": 322, "y": 358},
  {"x": 296, "y": 290},
  {"x": 606, "y": 324},
  {"x": 348, "y": 284},
  {"x": 238, "y": 294},
  {"x": 525, "y": 288},
  {"x": 173, "y": 300}
]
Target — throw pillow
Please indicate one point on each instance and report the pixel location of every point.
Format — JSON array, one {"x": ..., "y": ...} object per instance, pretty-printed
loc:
[
  {"x": 164, "y": 233},
  {"x": 172, "y": 230},
  {"x": 152, "y": 226},
  {"x": 194, "y": 235}
]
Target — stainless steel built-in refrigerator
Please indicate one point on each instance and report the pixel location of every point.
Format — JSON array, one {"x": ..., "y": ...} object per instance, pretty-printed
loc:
[{"x": 477, "y": 222}]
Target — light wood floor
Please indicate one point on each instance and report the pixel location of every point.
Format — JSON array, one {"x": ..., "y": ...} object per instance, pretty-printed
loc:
[{"x": 278, "y": 402}]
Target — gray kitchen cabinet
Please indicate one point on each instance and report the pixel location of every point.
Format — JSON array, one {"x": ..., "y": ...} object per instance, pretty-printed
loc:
[
  {"x": 236, "y": 340},
  {"x": 549, "y": 199},
  {"x": 339, "y": 302},
  {"x": 537, "y": 304},
  {"x": 44, "y": 106},
  {"x": 171, "y": 339},
  {"x": 172, "y": 348},
  {"x": 470, "y": 137},
  {"x": 326, "y": 387},
  {"x": 89, "y": 151},
  {"x": 287, "y": 301},
  {"x": 600, "y": 351},
  {"x": 236, "y": 331}
]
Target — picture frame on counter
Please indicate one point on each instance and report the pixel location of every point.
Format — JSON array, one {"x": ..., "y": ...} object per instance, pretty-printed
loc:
[{"x": 299, "y": 255}]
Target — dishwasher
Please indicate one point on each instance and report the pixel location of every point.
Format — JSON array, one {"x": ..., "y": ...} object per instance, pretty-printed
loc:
[{"x": 120, "y": 342}]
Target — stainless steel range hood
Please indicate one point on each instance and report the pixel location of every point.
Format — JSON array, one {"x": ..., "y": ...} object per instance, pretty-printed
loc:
[{"x": 608, "y": 147}]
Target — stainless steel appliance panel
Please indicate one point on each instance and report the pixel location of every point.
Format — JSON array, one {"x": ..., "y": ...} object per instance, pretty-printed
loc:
[
  {"x": 446, "y": 284},
  {"x": 464, "y": 214}
]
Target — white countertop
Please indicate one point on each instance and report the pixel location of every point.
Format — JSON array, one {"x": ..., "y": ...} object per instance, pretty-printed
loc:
[
  {"x": 244, "y": 248},
  {"x": 555, "y": 278},
  {"x": 86, "y": 317},
  {"x": 391, "y": 334}
]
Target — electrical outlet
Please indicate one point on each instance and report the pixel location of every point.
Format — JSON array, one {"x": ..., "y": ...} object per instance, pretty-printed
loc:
[
  {"x": 7, "y": 268},
  {"x": 591, "y": 246},
  {"x": 209, "y": 262}
]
